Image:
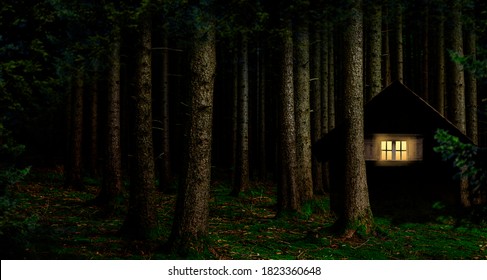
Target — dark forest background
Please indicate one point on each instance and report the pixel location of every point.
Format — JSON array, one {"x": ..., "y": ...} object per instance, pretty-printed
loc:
[{"x": 169, "y": 95}]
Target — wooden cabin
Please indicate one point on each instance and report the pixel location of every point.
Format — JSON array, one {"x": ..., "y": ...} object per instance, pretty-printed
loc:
[{"x": 404, "y": 174}]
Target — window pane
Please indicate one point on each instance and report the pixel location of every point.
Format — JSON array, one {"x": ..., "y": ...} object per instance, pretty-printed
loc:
[
  {"x": 383, "y": 155},
  {"x": 389, "y": 155},
  {"x": 382, "y": 145},
  {"x": 403, "y": 146},
  {"x": 404, "y": 155},
  {"x": 398, "y": 145},
  {"x": 389, "y": 145},
  {"x": 397, "y": 155}
]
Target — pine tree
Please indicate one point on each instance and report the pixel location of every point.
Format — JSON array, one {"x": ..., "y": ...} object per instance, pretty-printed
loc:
[
  {"x": 190, "y": 225},
  {"x": 288, "y": 199},
  {"x": 111, "y": 192},
  {"x": 141, "y": 220},
  {"x": 357, "y": 211},
  {"x": 302, "y": 111}
]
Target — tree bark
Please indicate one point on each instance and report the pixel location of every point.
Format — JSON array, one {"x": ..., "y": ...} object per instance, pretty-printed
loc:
[
  {"x": 316, "y": 102},
  {"x": 399, "y": 45},
  {"x": 357, "y": 212},
  {"x": 242, "y": 164},
  {"x": 331, "y": 82},
  {"x": 302, "y": 112},
  {"x": 425, "y": 57},
  {"x": 439, "y": 102},
  {"x": 288, "y": 199},
  {"x": 141, "y": 220},
  {"x": 261, "y": 92},
  {"x": 111, "y": 192},
  {"x": 74, "y": 167},
  {"x": 386, "y": 62},
  {"x": 94, "y": 125},
  {"x": 328, "y": 103},
  {"x": 234, "y": 136},
  {"x": 456, "y": 104},
  {"x": 192, "y": 210},
  {"x": 374, "y": 82},
  {"x": 165, "y": 157},
  {"x": 471, "y": 91}
]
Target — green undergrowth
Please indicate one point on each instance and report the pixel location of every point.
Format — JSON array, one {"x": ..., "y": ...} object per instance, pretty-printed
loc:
[{"x": 42, "y": 220}]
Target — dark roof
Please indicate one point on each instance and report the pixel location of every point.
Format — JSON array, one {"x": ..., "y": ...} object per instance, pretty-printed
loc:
[{"x": 397, "y": 109}]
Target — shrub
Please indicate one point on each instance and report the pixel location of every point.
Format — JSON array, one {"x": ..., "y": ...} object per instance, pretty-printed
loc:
[{"x": 470, "y": 163}]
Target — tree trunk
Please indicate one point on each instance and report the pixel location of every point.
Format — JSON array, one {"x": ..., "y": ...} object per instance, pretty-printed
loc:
[
  {"x": 287, "y": 187},
  {"x": 328, "y": 103},
  {"x": 331, "y": 83},
  {"x": 357, "y": 212},
  {"x": 111, "y": 192},
  {"x": 456, "y": 102},
  {"x": 302, "y": 113},
  {"x": 242, "y": 164},
  {"x": 234, "y": 136},
  {"x": 192, "y": 210},
  {"x": 425, "y": 57},
  {"x": 439, "y": 102},
  {"x": 165, "y": 157},
  {"x": 141, "y": 220},
  {"x": 374, "y": 73},
  {"x": 386, "y": 62},
  {"x": 471, "y": 91},
  {"x": 261, "y": 91},
  {"x": 74, "y": 168},
  {"x": 316, "y": 99},
  {"x": 399, "y": 44},
  {"x": 94, "y": 125}
]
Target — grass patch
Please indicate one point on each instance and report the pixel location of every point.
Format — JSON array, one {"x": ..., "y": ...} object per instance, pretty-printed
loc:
[{"x": 41, "y": 220}]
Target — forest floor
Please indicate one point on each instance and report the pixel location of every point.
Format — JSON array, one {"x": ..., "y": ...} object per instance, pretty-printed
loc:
[{"x": 41, "y": 220}]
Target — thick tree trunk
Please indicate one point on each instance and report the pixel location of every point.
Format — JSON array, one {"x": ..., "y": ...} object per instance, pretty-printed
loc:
[
  {"x": 288, "y": 199},
  {"x": 111, "y": 193},
  {"x": 357, "y": 212},
  {"x": 242, "y": 165},
  {"x": 141, "y": 221},
  {"x": 192, "y": 211},
  {"x": 374, "y": 82},
  {"x": 74, "y": 168},
  {"x": 302, "y": 113}
]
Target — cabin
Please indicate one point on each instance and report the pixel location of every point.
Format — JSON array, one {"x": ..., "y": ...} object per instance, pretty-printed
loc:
[{"x": 404, "y": 174}]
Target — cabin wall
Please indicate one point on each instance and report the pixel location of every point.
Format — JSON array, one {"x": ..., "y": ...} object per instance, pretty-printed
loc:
[{"x": 411, "y": 189}]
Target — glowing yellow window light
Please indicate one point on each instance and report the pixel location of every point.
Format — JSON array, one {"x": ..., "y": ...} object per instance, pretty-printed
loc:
[{"x": 393, "y": 150}]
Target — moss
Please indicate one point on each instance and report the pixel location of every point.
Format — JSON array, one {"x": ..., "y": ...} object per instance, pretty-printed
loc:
[
  {"x": 362, "y": 225},
  {"x": 188, "y": 246}
]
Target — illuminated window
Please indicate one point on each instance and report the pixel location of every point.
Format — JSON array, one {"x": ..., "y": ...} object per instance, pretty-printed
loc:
[{"x": 393, "y": 150}]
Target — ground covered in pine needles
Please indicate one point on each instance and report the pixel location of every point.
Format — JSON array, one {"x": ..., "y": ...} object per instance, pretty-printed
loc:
[{"x": 41, "y": 220}]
